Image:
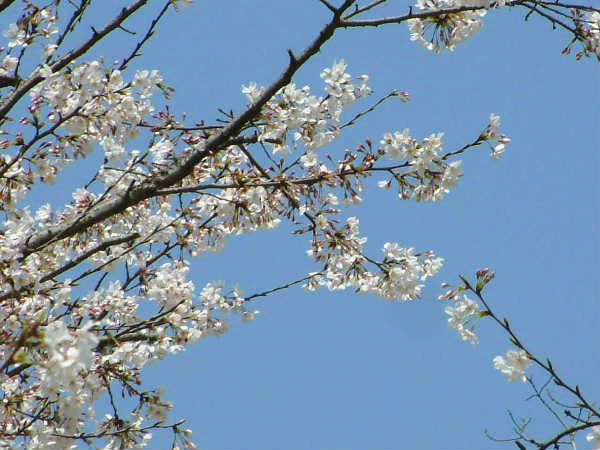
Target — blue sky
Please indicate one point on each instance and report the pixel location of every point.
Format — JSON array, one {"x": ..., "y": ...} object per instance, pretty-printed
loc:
[{"x": 340, "y": 370}]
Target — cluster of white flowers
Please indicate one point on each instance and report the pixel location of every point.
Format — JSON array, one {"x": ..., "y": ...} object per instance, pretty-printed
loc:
[
  {"x": 44, "y": 21},
  {"x": 71, "y": 369},
  {"x": 492, "y": 133},
  {"x": 68, "y": 353},
  {"x": 100, "y": 106},
  {"x": 67, "y": 383},
  {"x": 461, "y": 312},
  {"x": 9, "y": 63},
  {"x": 590, "y": 28},
  {"x": 434, "y": 176},
  {"x": 513, "y": 366},
  {"x": 294, "y": 112},
  {"x": 168, "y": 285},
  {"x": 407, "y": 271},
  {"x": 91, "y": 104},
  {"x": 450, "y": 29},
  {"x": 243, "y": 210},
  {"x": 399, "y": 277},
  {"x": 15, "y": 36}
]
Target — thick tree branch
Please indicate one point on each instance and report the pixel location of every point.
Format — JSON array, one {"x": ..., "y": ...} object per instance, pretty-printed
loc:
[{"x": 5, "y": 4}]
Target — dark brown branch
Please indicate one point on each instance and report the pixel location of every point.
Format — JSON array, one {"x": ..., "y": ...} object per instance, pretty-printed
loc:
[
  {"x": 328, "y": 5},
  {"x": 553, "y": 20},
  {"x": 411, "y": 15},
  {"x": 148, "y": 35},
  {"x": 365, "y": 8},
  {"x": 371, "y": 109},
  {"x": 5, "y": 4},
  {"x": 75, "y": 17},
  {"x": 128, "y": 429},
  {"x": 552, "y": 442},
  {"x": 279, "y": 288},
  {"x": 568, "y": 6},
  {"x": 8, "y": 81}
]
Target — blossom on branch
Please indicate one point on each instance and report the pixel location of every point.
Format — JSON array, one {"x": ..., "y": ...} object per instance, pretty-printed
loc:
[
  {"x": 461, "y": 312},
  {"x": 513, "y": 366},
  {"x": 594, "y": 438},
  {"x": 492, "y": 133},
  {"x": 446, "y": 30}
]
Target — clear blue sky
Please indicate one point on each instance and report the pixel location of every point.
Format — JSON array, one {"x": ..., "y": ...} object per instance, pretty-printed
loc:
[{"x": 339, "y": 370}]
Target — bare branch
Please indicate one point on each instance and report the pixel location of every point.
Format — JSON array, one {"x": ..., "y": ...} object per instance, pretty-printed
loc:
[
  {"x": 148, "y": 35},
  {"x": 5, "y": 4},
  {"x": 279, "y": 288},
  {"x": 328, "y": 5},
  {"x": 75, "y": 17},
  {"x": 365, "y": 8}
]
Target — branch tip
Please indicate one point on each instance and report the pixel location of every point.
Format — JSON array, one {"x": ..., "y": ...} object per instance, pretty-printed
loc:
[{"x": 293, "y": 59}]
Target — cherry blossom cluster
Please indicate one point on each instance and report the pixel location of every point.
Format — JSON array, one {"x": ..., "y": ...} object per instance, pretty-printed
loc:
[
  {"x": 593, "y": 28},
  {"x": 399, "y": 275},
  {"x": 427, "y": 166},
  {"x": 9, "y": 63},
  {"x": 74, "y": 366},
  {"x": 434, "y": 177},
  {"x": 492, "y": 133},
  {"x": 462, "y": 312},
  {"x": 100, "y": 106},
  {"x": 588, "y": 24},
  {"x": 70, "y": 366},
  {"x": 40, "y": 24},
  {"x": 513, "y": 365},
  {"x": 295, "y": 113},
  {"x": 437, "y": 32},
  {"x": 93, "y": 105},
  {"x": 446, "y": 30}
]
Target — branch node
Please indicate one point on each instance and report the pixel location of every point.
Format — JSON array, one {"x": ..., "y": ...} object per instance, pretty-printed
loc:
[{"x": 293, "y": 59}]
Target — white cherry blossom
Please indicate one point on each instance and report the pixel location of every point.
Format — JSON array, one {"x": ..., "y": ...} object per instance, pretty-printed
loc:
[
  {"x": 594, "y": 437},
  {"x": 447, "y": 29},
  {"x": 513, "y": 365},
  {"x": 15, "y": 35},
  {"x": 461, "y": 312}
]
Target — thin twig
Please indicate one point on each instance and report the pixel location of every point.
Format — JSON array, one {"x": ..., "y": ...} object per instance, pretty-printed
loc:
[{"x": 279, "y": 288}]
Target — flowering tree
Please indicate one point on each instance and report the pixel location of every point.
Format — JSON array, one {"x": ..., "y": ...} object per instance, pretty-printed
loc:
[{"x": 72, "y": 328}]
